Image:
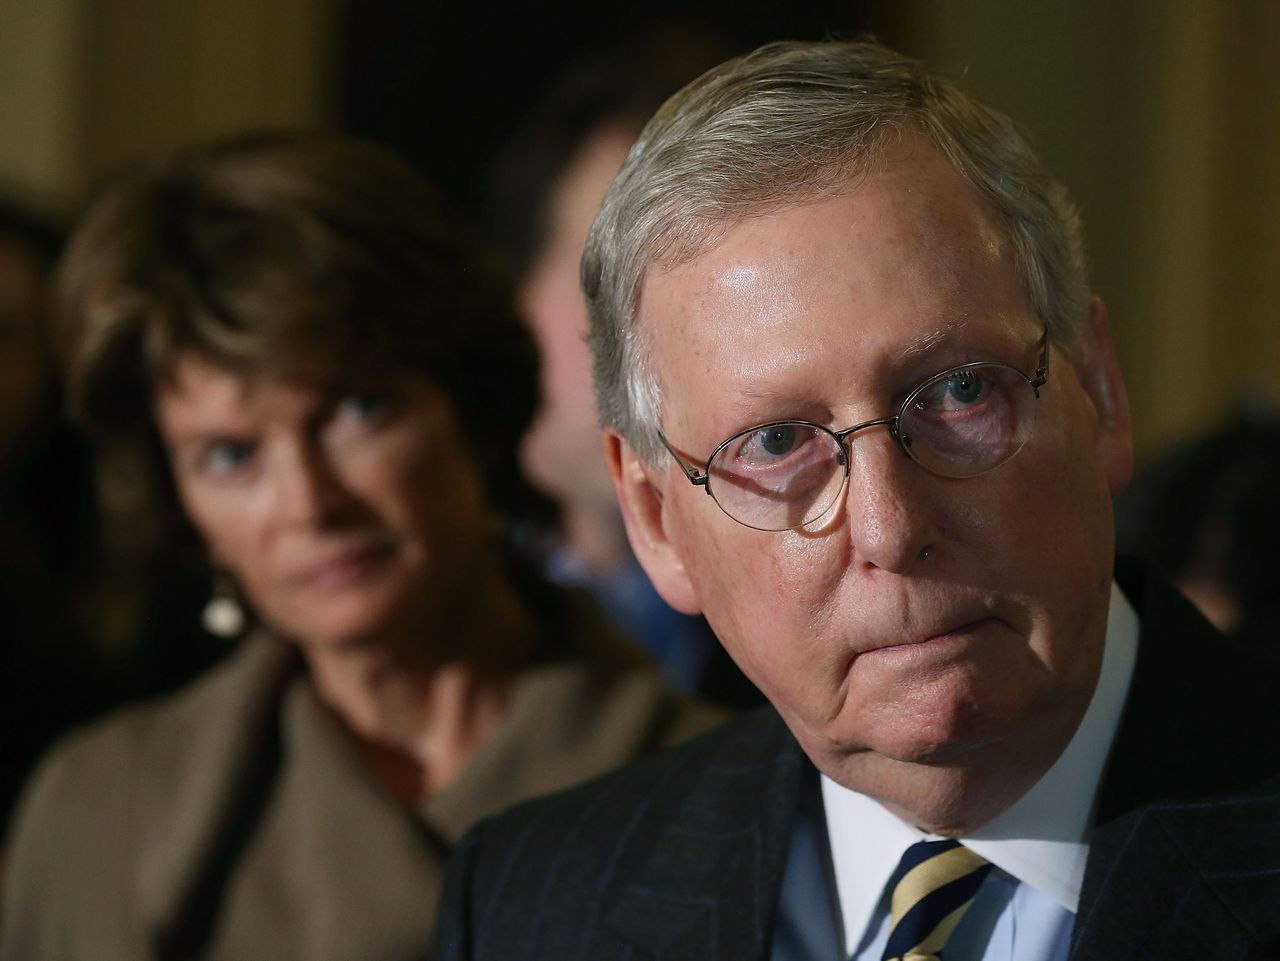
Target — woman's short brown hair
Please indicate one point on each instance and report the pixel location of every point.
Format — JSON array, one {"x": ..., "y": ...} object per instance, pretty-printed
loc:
[{"x": 281, "y": 254}]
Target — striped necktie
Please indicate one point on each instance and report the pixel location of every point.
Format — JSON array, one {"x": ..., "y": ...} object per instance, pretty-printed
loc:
[{"x": 934, "y": 884}]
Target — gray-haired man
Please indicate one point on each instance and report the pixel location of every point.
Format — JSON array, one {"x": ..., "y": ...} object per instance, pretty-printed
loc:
[{"x": 850, "y": 305}]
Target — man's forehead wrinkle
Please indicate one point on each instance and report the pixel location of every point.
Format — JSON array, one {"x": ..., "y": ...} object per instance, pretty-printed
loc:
[
  {"x": 777, "y": 374},
  {"x": 930, "y": 341}
]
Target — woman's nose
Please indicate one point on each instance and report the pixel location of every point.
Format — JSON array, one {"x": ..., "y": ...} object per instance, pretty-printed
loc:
[
  {"x": 889, "y": 515},
  {"x": 308, "y": 488}
]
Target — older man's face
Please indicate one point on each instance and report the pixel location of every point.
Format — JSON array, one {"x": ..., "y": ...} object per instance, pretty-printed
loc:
[{"x": 930, "y": 640}]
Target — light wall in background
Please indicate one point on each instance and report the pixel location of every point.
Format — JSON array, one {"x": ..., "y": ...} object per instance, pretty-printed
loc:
[
  {"x": 41, "y": 100},
  {"x": 85, "y": 85}
]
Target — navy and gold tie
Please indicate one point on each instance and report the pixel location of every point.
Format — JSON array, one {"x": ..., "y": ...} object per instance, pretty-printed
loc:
[{"x": 933, "y": 885}]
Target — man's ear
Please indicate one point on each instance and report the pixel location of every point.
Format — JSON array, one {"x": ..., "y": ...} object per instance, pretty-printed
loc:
[
  {"x": 640, "y": 496},
  {"x": 1098, "y": 369}
]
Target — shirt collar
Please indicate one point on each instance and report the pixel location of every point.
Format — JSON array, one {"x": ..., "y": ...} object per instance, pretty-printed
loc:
[{"x": 1041, "y": 839}]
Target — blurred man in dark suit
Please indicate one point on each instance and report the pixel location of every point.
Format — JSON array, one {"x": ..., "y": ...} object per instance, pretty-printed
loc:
[
  {"x": 865, "y": 415},
  {"x": 545, "y": 188}
]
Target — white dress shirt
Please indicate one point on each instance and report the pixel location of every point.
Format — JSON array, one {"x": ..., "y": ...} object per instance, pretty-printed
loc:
[{"x": 1026, "y": 907}]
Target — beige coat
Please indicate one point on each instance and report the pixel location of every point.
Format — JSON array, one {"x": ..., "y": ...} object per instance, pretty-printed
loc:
[{"x": 235, "y": 820}]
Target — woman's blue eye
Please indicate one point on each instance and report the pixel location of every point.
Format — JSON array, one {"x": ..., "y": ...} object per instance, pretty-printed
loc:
[
  {"x": 225, "y": 456},
  {"x": 363, "y": 405}
]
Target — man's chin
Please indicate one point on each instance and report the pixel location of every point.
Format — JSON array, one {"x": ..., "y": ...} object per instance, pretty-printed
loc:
[{"x": 902, "y": 751}]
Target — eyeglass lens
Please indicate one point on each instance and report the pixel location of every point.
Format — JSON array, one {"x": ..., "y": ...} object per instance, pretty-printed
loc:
[
  {"x": 779, "y": 476},
  {"x": 961, "y": 423}
]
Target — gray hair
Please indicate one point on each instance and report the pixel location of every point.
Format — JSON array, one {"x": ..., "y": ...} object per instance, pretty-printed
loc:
[{"x": 792, "y": 121}]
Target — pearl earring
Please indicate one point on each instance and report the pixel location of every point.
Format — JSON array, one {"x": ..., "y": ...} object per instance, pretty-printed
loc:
[{"x": 222, "y": 615}]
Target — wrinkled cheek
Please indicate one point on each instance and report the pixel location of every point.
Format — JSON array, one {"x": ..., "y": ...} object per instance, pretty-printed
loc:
[
  {"x": 741, "y": 603},
  {"x": 1070, "y": 571},
  {"x": 767, "y": 597},
  {"x": 778, "y": 642},
  {"x": 1079, "y": 526}
]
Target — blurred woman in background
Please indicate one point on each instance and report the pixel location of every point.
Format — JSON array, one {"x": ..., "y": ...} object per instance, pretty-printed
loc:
[{"x": 331, "y": 388}]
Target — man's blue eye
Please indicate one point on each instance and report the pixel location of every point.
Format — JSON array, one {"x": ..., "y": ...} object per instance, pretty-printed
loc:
[
  {"x": 964, "y": 387},
  {"x": 778, "y": 440}
]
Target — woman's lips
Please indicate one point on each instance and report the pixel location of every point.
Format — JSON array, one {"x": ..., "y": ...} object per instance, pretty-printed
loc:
[{"x": 345, "y": 567}]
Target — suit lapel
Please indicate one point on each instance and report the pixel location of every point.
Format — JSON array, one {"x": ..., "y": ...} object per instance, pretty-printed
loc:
[
  {"x": 1184, "y": 881},
  {"x": 1172, "y": 860},
  {"x": 1201, "y": 717},
  {"x": 708, "y": 888}
]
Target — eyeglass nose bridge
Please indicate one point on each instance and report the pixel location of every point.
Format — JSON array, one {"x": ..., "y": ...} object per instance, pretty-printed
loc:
[{"x": 845, "y": 436}]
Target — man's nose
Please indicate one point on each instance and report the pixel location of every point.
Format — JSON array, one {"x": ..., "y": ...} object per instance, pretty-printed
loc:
[
  {"x": 308, "y": 488},
  {"x": 890, "y": 520}
]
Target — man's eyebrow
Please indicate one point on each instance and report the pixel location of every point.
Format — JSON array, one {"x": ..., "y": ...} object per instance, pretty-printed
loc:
[
  {"x": 756, "y": 392},
  {"x": 930, "y": 341},
  {"x": 746, "y": 398}
]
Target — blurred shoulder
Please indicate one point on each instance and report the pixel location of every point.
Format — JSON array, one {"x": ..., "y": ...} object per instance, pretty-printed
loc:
[
  {"x": 107, "y": 759},
  {"x": 597, "y": 675},
  {"x": 126, "y": 793}
]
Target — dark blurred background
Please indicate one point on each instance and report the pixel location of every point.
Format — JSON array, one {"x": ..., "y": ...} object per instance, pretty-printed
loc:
[{"x": 446, "y": 83}]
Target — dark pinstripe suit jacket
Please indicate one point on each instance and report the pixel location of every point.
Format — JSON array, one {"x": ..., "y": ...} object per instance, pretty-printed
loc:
[{"x": 681, "y": 856}]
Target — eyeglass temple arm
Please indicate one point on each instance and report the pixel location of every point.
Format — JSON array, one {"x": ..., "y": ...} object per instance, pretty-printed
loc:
[
  {"x": 696, "y": 477},
  {"x": 1042, "y": 369}
]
